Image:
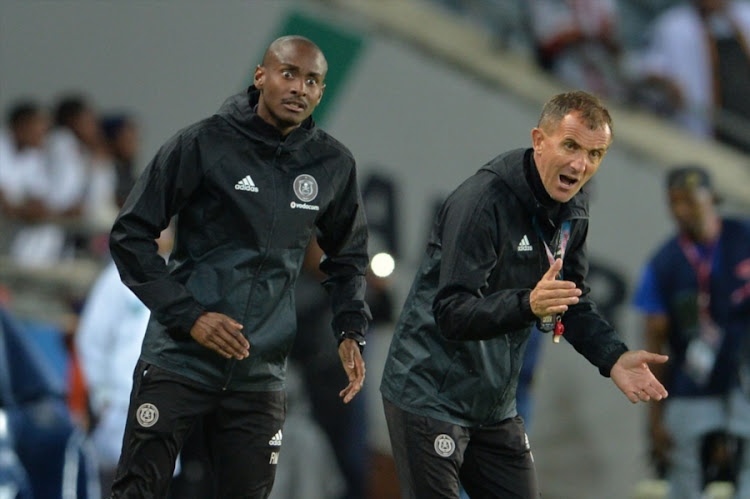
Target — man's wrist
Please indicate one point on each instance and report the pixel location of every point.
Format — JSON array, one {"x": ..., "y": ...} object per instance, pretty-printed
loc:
[
  {"x": 358, "y": 337},
  {"x": 526, "y": 311}
]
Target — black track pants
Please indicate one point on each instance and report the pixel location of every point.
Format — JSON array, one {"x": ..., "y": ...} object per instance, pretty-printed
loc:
[
  {"x": 432, "y": 456},
  {"x": 242, "y": 429}
]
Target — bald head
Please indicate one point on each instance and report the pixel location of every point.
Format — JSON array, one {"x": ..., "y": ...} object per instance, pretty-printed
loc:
[
  {"x": 291, "y": 81},
  {"x": 280, "y": 48}
]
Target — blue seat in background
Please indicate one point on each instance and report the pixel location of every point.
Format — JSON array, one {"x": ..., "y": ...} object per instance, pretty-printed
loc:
[{"x": 49, "y": 446}]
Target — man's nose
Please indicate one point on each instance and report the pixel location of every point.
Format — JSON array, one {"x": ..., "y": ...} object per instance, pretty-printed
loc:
[
  {"x": 298, "y": 87},
  {"x": 681, "y": 211},
  {"x": 579, "y": 163}
]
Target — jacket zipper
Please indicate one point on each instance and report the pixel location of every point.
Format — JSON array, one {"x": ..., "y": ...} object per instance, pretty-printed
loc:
[
  {"x": 233, "y": 362},
  {"x": 507, "y": 339}
]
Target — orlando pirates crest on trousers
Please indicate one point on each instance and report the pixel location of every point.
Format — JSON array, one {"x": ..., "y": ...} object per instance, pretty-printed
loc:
[{"x": 248, "y": 200}]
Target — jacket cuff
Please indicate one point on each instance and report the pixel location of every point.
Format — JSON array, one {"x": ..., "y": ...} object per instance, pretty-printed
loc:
[
  {"x": 181, "y": 330},
  {"x": 526, "y": 313},
  {"x": 610, "y": 359},
  {"x": 351, "y": 321}
]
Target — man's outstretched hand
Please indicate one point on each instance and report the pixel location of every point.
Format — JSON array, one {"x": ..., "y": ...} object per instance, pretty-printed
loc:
[
  {"x": 354, "y": 365},
  {"x": 633, "y": 377}
]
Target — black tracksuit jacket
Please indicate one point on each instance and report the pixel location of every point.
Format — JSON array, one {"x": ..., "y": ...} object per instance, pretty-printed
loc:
[
  {"x": 247, "y": 203},
  {"x": 459, "y": 342}
]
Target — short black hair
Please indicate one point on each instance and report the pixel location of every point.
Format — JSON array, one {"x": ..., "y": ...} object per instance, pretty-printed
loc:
[
  {"x": 113, "y": 124},
  {"x": 689, "y": 177},
  {"x": 68, "y": 108},
  {"x": 21, "y": 111},
  {"x": 591, "y": 109}
]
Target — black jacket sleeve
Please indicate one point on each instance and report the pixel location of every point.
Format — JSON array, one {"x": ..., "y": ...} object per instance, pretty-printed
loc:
[
  {"x": 164, "y": 186},
  {"x": 342, "y": 235},
  {"x": 469, "y": 235},
  {"x": 585, "y": 329}
]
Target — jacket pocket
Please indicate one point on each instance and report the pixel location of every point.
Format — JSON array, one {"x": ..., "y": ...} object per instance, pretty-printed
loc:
[
  {"x": 466, "y": 386},
  {"x": 140, "y": 373}
]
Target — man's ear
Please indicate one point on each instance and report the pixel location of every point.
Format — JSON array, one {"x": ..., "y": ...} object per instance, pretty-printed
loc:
[
  {"x": 259, "y": 77},
  {"x": 322, "y": 91},
  {"x": 537, "y": 137}
]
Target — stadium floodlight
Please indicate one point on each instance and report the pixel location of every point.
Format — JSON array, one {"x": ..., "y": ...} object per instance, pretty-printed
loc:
[{"x": 382, "y": 265}]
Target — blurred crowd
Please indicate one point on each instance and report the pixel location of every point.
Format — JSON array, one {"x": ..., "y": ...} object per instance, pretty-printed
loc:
[
  {"x": 685, "y": 60},
  {"x": 63, "y": 173},
  {"x": 65, "y": 170}
]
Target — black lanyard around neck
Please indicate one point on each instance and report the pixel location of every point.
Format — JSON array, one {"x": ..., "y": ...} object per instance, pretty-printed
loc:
[{"x": 559, "y": 242}]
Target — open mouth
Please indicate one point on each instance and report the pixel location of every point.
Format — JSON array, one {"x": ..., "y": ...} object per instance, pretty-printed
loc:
[
  {"x": 294, "y": 106},
  {"x": 568, "y": 181}
]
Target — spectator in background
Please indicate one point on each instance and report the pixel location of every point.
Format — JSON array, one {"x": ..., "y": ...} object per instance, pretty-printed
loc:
[
  {"x": 22, "y": 186},
  {"x": 505, "y": 20},
  {"x": 577, "y": 41},
  {"x": 80, "y": 165},
  {"x": 26, "y": 188},
  {"x": 695, "y": 296},
  {"x": 73, "y": 144},
  {"x": 696, "y": 69},
  {"x": 635, "y": 14},
  {"x": 122, "y": 139},
  {"x": 76, "y": 183}
]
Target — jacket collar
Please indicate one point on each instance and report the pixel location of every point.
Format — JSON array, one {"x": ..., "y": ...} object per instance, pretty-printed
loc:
[
  {"x": 240, "y": 111},
  {"x": 509, "y": 167}
]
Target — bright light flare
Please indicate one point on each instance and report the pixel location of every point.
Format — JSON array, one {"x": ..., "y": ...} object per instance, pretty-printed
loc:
[{"x": 382, "y": 265}]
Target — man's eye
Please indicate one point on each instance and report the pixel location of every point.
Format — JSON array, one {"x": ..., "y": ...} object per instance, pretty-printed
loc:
[
  {"x": 287, "y": 74},
  {"x": 312, "y": 81}
]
